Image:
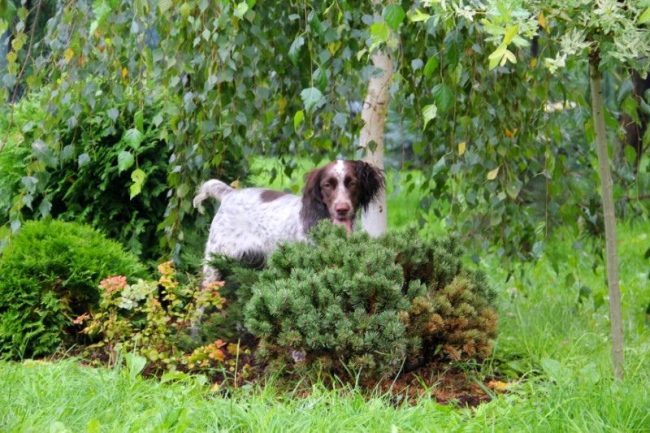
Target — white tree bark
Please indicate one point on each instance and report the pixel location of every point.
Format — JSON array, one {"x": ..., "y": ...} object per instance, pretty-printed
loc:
[
  {"x": 375, "y": 107},
  {"x": 615, "y": 314}
]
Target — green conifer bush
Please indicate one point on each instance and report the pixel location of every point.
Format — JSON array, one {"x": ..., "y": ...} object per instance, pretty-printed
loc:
[
  {"x": 50, "y": 273},
  {"x": 368, "y": 306}
]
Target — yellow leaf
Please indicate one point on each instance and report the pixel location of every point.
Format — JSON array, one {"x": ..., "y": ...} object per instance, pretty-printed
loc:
[
  {"x": 68, "y": 54},
  {"x": 493, "y": 174},
  {"x": 498, "y": 385},
  {"x": 511, "y": 32},
  {"x": 125, "y": 72},
  {"x": 333, "y": 47},
  {"x": 461, "y": 148},
  {"x": 542, "y": 21},
  {"x": 510, "y": 133}
]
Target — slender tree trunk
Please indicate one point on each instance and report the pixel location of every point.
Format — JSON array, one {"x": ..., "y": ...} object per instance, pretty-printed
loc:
[
  {"x": 371, "y": 138},
  {"x": 597, "y": 105}
]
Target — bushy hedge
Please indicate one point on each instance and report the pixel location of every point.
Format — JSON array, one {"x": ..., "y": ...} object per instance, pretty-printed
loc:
[
  {"x": 108, "y": 162},
  {"x": 50, "y": 273},
  {"x": 356, "y": 305}
]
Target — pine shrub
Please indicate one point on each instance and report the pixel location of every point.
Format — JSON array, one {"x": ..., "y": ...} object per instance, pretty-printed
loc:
[
  {"x": 50, "y": 274},
  {"x": 369, "y": 307}
]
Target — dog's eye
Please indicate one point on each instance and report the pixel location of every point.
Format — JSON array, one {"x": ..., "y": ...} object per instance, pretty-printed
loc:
[{"x": 329, "y": 184}]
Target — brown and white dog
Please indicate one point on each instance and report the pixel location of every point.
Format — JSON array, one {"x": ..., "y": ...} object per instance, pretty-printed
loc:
[{"x": 251, "y": 222}]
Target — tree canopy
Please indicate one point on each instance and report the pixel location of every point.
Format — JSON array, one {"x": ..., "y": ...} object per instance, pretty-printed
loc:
[{"x": 489, "y": 100}]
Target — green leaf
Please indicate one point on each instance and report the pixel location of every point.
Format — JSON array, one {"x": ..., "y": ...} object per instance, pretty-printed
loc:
[
  {"x": 241, "y": 10},
  {"x": 164, "y": 5},
  {"x": 298, "y": 118},
  {"x": 644, "y": 17},
  {"x": 394, "y": 15},
  {"x": 93, "y": 426},
  {"x": 182, "y": 190},
  {"x": 133, "y": 138},
  {"x": 443, "y": 96},
  {"x": 138, "y": 119},
  {"x": 630, "y": 106},
  {"x": 554, "y": 370},
  {"x": 101, "y": 10},
  {"x": 438, "y": 166},
  {"x": 124, "y": 160},
  {"x": 589, "y": 374},
  {"x": 429, "y": 113},
  {"x": 379, "y": 32},
  {"x": 134, "y": 364},
  {"x": 431, "y": 66},
  {"x": 492, "y": 28},
  {"x": 113, "y": 113},
  {"x": 19, "y": 41},
  {"x": 137, "y": 176},
  {"x": 416, "y": 15},
  {"x": 312, "y": 98},
  {"x": 513, "y": 188},
  {"x": 294, "y": 49},
  {"x": 83, "y": 159},
  {"x": 8, "y": 11}
]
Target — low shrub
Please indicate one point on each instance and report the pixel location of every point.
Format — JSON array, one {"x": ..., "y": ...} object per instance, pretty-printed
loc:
[
  {"x": 369, "y": 307},
  {"x": 50, "y": 271},
  {"x": 154, "y": 319}
]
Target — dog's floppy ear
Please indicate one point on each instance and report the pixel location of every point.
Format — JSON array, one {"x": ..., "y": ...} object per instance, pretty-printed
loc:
[
  {"x": 312, "y": 192},
  {"x": 371, "y": 182},
  {"x": 313, "y": 207}
]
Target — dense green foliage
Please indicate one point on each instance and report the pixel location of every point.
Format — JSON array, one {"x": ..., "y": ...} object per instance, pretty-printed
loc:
[
  {"x": 488, "y": 100},
  {"x": 160, "y": 98},
  {"x": 369, "y": 307},
  {"x": 50, "y": 272}
]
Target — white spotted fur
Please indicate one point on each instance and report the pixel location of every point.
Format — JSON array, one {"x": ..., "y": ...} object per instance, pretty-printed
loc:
[{"x": 245, "y": 223}]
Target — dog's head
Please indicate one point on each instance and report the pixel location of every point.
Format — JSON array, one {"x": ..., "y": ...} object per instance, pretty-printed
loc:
[{"x": 338, "y": 190}]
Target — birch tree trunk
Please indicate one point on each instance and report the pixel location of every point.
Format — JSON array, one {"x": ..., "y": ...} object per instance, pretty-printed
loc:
[
  {"x": 375, "y": 107},
  {"x": 598, "y": 114}
]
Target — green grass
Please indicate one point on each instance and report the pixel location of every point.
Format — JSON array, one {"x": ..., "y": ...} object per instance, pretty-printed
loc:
[{"x": 553, "y": 348}]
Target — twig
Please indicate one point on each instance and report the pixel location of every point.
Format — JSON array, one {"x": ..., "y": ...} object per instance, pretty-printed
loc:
[{"x": 29, "y": 50}]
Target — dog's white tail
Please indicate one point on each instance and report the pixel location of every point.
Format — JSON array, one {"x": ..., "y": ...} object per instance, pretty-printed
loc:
[{"x": 213, "y": 188}]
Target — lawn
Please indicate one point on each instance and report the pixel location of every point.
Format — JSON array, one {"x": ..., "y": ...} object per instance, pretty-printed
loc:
[{"x": 553, "y": 351}]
